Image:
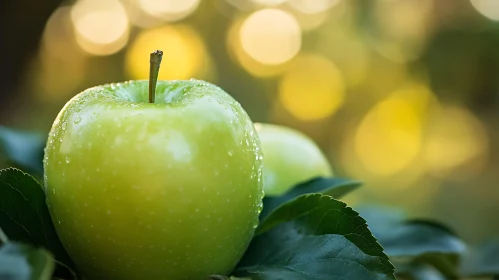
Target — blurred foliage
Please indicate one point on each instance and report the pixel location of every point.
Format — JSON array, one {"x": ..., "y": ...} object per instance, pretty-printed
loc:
[{"x": 402, "y": 95}]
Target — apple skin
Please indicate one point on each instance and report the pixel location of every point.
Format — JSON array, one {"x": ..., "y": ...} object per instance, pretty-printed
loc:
[
  {"x": 290, "y": 158},
  {"x": 170, "y": 190}
]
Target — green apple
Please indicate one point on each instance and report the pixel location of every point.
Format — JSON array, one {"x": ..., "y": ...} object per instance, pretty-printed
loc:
[
  {"x": 164, "y": 190},
  {"x": 290, "y": 157}
]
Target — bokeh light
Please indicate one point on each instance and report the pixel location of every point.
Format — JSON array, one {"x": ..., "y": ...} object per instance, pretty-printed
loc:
[
  {"x": 58, "y": 36},
  {"x": 269, "y": 2},
  {"x": 383, "y": 77},
  {"x": 60, "y": 65},
  {"x": 312, "y": 88},
  {"x": 168, "y": 10},
  {"x": 313, "y": 6},
  {"x": 488, "y": 8},
  {"x": 309, "y": 22},
  {"x": 403, "y": 19},
  {"x": 239, "y": 56},
  {"x": 390, "y": 136},
  {"x": 401, "y": 28},
  {"x": 102, "y": 27},
  {"x": 456, "y": 137},
  {"x": 348, "y": 51},
  {"x": 271, "y": 36},
  {"x": 184, "y": 53}
]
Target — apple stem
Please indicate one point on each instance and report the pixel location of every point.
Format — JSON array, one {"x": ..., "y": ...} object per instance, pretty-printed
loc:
[{"x": 155, "y": 62}]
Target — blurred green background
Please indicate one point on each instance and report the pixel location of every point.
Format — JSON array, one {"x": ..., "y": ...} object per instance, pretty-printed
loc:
[{"x": 402, "y": 94}]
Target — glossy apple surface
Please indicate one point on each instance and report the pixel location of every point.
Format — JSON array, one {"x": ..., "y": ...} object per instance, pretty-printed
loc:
[
  {"x": 170, "y": 190},
  {"x": 290, "y": 157}
]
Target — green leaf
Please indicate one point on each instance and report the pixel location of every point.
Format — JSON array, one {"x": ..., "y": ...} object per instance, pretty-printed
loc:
[
  {"x": 24, "y": 215},
  {"x": 482, "y": 260},
  {"x": 314, "y": 237},
  {"x": 418, "y": 271},
  {"x": 24, "y": 262},
  {"x": 424, "y": 241},
  {"x": 24, "y": 149},
  {"x": 381, "y": 219},
  {"x": 221, "y": 277},
  {"x": 334, "y": 187},
  {"x": 416, "y": 237},
  {"x": 414, "y": 242}
]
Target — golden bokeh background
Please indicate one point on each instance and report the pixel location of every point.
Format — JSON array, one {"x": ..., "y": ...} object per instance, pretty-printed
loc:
[{"x": 403, "y": 95}]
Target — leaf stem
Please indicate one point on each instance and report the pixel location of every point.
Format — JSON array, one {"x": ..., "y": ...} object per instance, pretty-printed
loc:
[{"x": 155, "y": 62}]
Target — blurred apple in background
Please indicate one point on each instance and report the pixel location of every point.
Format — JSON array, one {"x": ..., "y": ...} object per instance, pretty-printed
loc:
[{"x": 290, "y": 157}]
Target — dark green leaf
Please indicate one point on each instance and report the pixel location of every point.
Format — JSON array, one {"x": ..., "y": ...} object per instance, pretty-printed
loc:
[
  {"x": 418, "y": 271},
  {"x": 417, "y": 237},
  {"x": 414, "y": 241},
  {"x": 314, "y": 237},
  {"x": 221, "y": 277},
  {"x": 482, "y": 261},
  {"x": 24, "y": 149},
  {"x": 424, "y": 242},
  {"x": 381, "y": 219},
  {"x": 24, "y": 214},
  {"x": 334, "y": 187},
  {"x": 24, "y": 262}
]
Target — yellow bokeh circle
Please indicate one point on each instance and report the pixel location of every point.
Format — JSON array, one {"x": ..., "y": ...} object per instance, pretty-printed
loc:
[
  {"x": 270, "y": 36},
  {"x": 238, "y": 55},
  {"x": 312, "y": 88},
  {"x": 168, "y": 10},
  {"x": 455, "y": 137},
  {"x": 184, "y": 53},
  {"x": 389, "y": 137},
  {"x": 488, "y": 8},
  {"x": 101, "y": 27}
]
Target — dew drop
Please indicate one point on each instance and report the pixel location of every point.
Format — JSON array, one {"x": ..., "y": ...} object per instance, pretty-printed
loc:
[
  {"x": 68, "y": 160},
  {"x": 230, "y": 153}
]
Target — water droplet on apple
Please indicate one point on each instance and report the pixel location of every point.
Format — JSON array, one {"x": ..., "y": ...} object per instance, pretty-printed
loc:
[
  {"x": 68, "y": 160},
  {"x": 77, "y": 120},
  {"x": 230, "y": 153}
]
